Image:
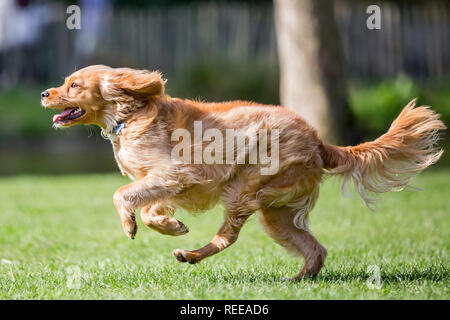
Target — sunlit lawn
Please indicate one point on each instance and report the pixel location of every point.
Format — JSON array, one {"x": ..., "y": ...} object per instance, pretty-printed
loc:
[{"x": 60, "y": 237}]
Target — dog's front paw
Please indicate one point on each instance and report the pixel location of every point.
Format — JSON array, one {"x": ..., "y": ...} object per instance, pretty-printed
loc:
[
  {"x": 186, "y": 256},
  {"x": 130, "y": 228}
]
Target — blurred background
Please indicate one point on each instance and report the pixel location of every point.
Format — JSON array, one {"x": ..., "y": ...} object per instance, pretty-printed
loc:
[{"x": 316, "y": 57}]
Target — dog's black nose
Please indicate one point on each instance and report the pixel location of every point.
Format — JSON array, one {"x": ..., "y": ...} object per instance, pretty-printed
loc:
[{"x": 45, "y": 94}]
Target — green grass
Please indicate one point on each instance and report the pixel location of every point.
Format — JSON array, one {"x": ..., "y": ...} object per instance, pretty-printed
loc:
[{"x": 53, "y": 227}]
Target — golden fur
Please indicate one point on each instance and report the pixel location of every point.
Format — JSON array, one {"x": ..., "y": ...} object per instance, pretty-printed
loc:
[{"x": 143, "y": 152}]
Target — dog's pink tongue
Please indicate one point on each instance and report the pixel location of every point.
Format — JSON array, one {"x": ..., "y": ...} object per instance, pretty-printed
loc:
[{"x": 64, "y": 114}]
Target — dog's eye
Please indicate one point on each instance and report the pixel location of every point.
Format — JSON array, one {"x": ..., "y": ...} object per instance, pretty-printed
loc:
[{"x": 73, "y": 85}]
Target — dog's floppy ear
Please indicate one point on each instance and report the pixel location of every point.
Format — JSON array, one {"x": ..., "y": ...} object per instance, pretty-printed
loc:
[
  {"x": 129, "y": 88},
  {"x": 116, "y": 84},
  {"x": 140, "y": 83}
]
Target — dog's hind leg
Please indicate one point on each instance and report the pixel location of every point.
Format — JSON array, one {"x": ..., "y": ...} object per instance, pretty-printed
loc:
[
  {"x": 239, "y": 205},
  {"x": 226, "y": 236},
  {"x": 279, "y": 224},
  {"x": 158, "y": 216}
]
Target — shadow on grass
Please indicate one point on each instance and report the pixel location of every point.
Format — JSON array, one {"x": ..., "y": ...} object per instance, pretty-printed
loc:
[{"x": 434, "y": 274}]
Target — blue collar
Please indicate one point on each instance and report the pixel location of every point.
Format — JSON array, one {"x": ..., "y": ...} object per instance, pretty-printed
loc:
[{"x": 119, "y": 127}]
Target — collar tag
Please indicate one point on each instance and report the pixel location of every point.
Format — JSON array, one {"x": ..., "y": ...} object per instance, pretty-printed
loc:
[{"x": 119, "y": 127}]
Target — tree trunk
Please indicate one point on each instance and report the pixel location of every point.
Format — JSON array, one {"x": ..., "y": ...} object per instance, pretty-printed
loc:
[{"x": 313, "y": 81}]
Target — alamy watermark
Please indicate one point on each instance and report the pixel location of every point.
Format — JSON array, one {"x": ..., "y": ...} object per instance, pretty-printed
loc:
[
  {"x": 374, "y": 281},
  {"x": 239, "y": 146},
  {"x": 74, "y": 277},
  {"x": 374, "y": 20},
  {"x": 73, "y": 21}
]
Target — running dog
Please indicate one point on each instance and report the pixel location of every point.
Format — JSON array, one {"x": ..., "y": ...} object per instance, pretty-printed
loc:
[{"x": 141, "y": 121}]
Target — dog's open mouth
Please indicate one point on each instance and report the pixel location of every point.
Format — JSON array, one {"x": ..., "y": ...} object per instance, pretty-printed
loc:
[{"x": 68, "y": 115}]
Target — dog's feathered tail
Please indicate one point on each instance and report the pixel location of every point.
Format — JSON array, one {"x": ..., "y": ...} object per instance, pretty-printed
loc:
[{"x": 389, "y": 162}]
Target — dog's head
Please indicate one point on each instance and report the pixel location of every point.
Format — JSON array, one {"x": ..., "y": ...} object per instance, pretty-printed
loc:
[{"x": 101, "y": 95}]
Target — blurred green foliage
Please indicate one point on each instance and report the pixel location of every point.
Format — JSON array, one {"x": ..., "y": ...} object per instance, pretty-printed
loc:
[
  {"x": 221, "y": 81},
  {"x": 21, "y": 114},
  {"x": 375, "y": 104},
  {"x": 22, "y": 119}
]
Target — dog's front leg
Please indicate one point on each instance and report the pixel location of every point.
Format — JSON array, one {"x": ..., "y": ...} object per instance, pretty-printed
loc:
[{"x": 138, "y": 194}]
